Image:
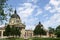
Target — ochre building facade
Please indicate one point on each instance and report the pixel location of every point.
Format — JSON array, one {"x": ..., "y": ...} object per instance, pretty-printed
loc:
[{"x": 16, "y": 21}]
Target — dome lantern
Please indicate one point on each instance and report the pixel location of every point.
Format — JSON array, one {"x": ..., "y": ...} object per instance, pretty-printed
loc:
[
  {"x": 15, "y": 15},
  {"x": 15, "y": 12}
]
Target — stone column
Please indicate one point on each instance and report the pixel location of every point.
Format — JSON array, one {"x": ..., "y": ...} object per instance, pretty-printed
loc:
[
  {"x": 47, "y": 34},
  {"x": 22, "y": 33},
  {"x": 1, "y": 34}
]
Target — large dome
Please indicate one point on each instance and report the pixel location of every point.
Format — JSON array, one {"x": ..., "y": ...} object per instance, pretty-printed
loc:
[{"x": 15, "y": 15}]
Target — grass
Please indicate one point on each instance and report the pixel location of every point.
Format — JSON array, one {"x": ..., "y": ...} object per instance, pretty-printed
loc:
[
  {"x": 13, "y": 39},
  {"x": 35, "y": 38}
]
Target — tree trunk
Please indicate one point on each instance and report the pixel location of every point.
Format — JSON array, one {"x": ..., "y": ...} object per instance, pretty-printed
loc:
[{"x": 40, "y": 36}]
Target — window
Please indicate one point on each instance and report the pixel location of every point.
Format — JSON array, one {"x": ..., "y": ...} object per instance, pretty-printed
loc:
[{"x": 17, "y": 20}]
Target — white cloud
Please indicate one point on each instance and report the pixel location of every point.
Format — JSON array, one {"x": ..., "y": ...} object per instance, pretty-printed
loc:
[
  {"x": 39, "y": 11},
  {"x": 2, "y": 26},
  {"x": 35, "y": 1},
  {"x": 54, "y": 2},
  {"x": 33, "y": 20},
  {"x": 47, "y": 7},
  {"x": 30, "y": 27},
  {"x": 53, "y": 6},
  {"x": 27, "y": 9},
  {"x": 31, "y": 23},
  {"x": 53, "y": 21}
]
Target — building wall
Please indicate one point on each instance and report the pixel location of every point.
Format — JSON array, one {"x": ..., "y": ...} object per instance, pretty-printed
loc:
[
  {"x": 22, "y": 33},
  {"x": 28, "y": 33}
]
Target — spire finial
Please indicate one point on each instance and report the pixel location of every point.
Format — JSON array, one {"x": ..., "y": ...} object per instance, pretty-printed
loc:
[
  {"x": 15, "y": 11},
  {"x": 39, "y": 22}
]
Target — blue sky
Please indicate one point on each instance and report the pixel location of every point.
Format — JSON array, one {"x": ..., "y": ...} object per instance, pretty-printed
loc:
[{"x": 33, "y": 11}]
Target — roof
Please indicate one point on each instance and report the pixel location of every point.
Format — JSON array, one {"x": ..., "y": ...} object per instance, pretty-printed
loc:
[
  {"x": 28, "y": 30},
  {"x": 15, "y": 15},
  {"x": 2, "y": 28}
]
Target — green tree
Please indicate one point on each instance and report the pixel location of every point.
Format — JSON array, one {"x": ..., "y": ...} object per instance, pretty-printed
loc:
[
  {"x": 12, "y": 31},
  {"x": 51, "y": 31},
  {"x": 2, "y": 6},
  {"x": 57, "y": 31},
  {"x": 7, "y": 30},
  {"x": 5, "y": 11},
  {"x": 18, "y": 32},
  {"x": 39, "y": 30},
  {"x": 15, "y": 31}
]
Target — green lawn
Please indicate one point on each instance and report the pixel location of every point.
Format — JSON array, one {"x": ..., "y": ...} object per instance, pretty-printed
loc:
[
  {"x": 13, "y": 39},
  {"x": 36, "y": 38},
  {"x": 44, "y": 38}
]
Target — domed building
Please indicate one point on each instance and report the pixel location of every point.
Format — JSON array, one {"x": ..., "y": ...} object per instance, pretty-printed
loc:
[{"x": 16, "y": 21}]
